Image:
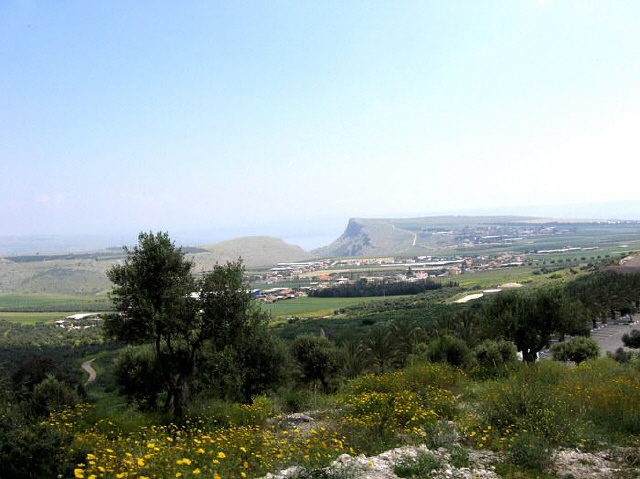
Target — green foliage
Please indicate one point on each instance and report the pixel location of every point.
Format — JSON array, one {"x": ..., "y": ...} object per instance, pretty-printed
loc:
[
  {"x": 42, "y": 386},
  {"x": 418, "y": 467},
  {"x": 631, "y": 340},
  {"x": 363, "y": 289},
  {"x": 32, "y": 450},
  {"x": 494, "y": 357},
  {"x": 317, "y": 357},
  {"x": 52, "y": 395},
  {"x": 577, "y": 349},
  {"x": 151, "y": 292},
  {"x": 529, "y": 318},
  {"x": 294, "y": 400},
  {"x": 256, "y": 364},
  {"x": 137, "y": 374},
  {"x": 450, "y": 350},
  {"x": 622, "y": 356},
  {"x": 528, "y": 401},
  {"x": 529, "y": 451},
  {"x": 159, "y": 302}
]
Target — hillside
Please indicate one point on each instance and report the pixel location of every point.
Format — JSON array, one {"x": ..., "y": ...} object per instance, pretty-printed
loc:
[
  {"x": 446, "y": 235},
  {"x": 255, "y": 251},
  {"x": 85, "y": 273}
]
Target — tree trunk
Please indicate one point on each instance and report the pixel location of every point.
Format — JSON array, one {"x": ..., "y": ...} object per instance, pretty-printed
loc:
[
  {"x": 180, "y": 397},
  {"x": 529, "y": 356}
]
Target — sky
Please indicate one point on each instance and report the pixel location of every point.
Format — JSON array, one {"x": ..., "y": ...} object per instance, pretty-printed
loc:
[{"x": 217, "y": 119}]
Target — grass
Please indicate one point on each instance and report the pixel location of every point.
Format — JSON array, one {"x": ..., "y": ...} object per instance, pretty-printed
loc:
[
  {"x": 312, "y": 307},
  {"x": 31, "y": 317},
  {"x": 404, "y": 407},
  {"x": 53, "y": 303}
]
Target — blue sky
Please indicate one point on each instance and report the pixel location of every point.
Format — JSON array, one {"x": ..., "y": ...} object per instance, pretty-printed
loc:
[{"x": 212, "y": 120}]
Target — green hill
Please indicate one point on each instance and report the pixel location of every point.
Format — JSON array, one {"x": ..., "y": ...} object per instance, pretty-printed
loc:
[
  {"x": 255, "y": 251},
  {"x": 85, "y": 273}
]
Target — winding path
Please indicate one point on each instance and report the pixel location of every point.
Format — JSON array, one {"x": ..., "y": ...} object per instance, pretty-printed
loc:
[
  {"x": 415, "y": 236},
  {"x": 89, "y": 369}
]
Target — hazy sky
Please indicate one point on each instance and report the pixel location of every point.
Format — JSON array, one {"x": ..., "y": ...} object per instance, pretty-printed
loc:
[{"x": 223, "y": 119}]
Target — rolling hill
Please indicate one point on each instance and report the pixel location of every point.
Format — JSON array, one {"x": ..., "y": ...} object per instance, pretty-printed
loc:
[
  {"x": 85, "y": 273},
  {"x": 255, "y": 251}
]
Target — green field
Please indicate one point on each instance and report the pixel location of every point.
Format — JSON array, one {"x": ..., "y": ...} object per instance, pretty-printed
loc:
[
  {"x": 53, "y": 303},
  {"x": 311, "y": 307},
  {"x": 31, "y": 317}
]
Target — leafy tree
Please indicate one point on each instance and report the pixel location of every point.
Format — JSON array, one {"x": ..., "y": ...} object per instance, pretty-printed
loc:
[
  {"x": 160, "y": 303},
  {"x": 577, "y": 349},
  {"x": 138, "y": 376},
  {"x": 528, "y": 318},
  {"x": 257, "y": 364},
  {"x": 317, "y": 357},
  {"x": 53, "y": 395},
  {"x": 42, "y": 385}
]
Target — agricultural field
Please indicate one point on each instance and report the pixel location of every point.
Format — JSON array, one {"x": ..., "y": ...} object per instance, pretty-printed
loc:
[
  {"x": 54, "y": 303},
  {"x": 306, "y": 307},
  {"x": 30, "y": 318}
]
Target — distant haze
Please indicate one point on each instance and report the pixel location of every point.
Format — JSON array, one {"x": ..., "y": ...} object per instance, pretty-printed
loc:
[{"x": 309, "y": 235}]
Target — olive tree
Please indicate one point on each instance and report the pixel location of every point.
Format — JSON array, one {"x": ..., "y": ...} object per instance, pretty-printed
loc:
[
  {"x": 529, "y": 318},
  {"x": 159, "y": 302}
]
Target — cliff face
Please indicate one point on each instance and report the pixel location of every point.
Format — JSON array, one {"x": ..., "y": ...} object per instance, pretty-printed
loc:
[{"x": 355, "y": 241}]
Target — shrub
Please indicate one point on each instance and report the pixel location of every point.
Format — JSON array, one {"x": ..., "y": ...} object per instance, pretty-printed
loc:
[
  {"x": 621, "y": 355},
  {"x": 530, "y": 451},
  {"x": 450, "y": 350},
  {"x": 419, "y": 467},
  {"x": 33, "y": 450},
  {"x": 53, "y": 395},
  {"x": 528, "y": 400},
  {"x": 494, "y": 356},
  {"x": 632, "y": 340},
  {"x": 578, "y": 350},
  {"x": 606, "y": 394}
]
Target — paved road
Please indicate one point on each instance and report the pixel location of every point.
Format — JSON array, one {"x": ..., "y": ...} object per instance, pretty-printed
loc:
[{"x": 609, "y": 336}]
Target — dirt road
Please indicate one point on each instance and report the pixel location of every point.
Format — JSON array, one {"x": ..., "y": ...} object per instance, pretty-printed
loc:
[{"x": 89, "y": 369}]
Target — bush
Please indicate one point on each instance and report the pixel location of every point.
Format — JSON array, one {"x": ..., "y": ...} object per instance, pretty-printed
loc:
[
  {"x": 528, "y": 400},
  {"x": 494, "y": 356},
  {"x": 621, "y": 355},
  {"x": 419, "y": 467},
  {"x": 578, "y": 350},
  {"x": 450, "y": 350},
  {"x": 137, "y": 374},
  {"x": 632, "y": 340},
  {"x": 30, "y": 451},
  {"x": 53, "y": 395},
  {"x": 530, "y": 451},
  {"x": 294, "y": 400}
]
